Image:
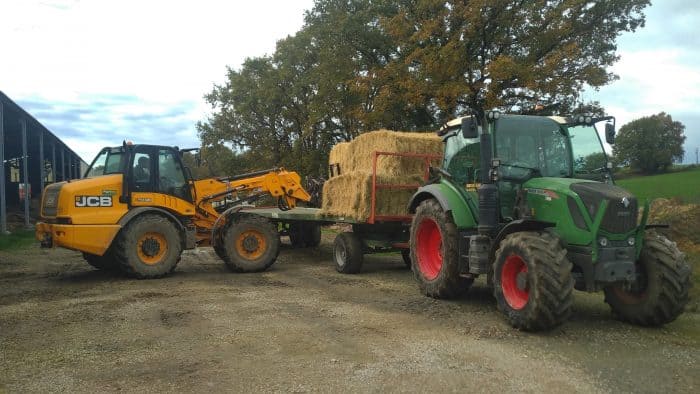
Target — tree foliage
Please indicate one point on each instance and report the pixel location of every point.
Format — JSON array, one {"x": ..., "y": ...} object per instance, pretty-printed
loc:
[
  {"x": 650, "y": 144},
  {"x": 359, "y": 65}
]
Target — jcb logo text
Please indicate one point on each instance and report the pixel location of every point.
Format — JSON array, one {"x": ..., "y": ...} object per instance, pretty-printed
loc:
[{"x": 93, "y": 201}]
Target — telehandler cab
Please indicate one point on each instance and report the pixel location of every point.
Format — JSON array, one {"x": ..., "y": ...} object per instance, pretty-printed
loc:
[
  {"x": 139, "y": 207},
  {"x": 530, "y": 202}
]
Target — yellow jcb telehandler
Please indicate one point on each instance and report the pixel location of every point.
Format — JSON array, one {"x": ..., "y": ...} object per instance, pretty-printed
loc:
[{"x": 138, "y": 208}]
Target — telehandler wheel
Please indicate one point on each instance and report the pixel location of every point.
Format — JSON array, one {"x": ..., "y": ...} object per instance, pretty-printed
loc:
[
  {"x": 661, "y": 290},
  {"x": 105, "y": 262},
  {"x": 533, "y": 284},
  {"x": 148, "y": 247},
  {"x": 251, "y": 243},
  {"x": 304, "y": 234},
  {"x": 434, "y": 252},
  {"x": 348, "y": 253}
]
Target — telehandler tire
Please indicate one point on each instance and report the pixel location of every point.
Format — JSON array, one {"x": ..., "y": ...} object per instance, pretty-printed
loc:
[
  {"x": 105, "y": 262},
  {"x": 532, "y": 278},
  {"x": 348, "y": 253},
  {"x": 148, "y": 247},
  {"x": 661, "y": 290},
  {"x": 434, "y": 252},
  {"x": 251, "y": 243}
]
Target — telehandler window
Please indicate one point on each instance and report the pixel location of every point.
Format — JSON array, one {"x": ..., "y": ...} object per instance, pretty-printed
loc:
[{"x": 109, "y": 161}]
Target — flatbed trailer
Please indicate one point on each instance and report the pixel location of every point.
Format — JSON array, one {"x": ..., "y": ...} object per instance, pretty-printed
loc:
[{"x": 380, "y": 233}]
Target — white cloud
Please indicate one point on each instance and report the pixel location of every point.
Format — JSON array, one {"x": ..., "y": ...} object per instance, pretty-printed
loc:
[{"x": 160, "y": 52}]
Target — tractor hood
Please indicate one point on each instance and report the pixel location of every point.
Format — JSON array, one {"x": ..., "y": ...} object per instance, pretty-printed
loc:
[{"x": 593, "y": 207}]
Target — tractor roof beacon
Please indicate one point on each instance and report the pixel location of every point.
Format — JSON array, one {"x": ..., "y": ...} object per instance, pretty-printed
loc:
[{"x": 530, "y": 202}]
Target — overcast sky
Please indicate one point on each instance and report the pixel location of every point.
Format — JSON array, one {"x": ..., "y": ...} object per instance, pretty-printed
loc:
[{"x": 97, "y": 72}]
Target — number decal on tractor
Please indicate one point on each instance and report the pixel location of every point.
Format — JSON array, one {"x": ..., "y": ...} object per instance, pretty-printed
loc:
[{"x": 93, "y": 201}]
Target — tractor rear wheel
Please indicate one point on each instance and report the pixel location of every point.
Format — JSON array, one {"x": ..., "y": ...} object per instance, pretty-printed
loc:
[
  {"x": 105, "y": 262},
  {"x": 434, "y": 252},
  {"x": 348, "y": 253},
  {"x": 251, "y": 243},
  {"x": 661, "y": 290},
  {"x": 533, "y": 284},
  {"x": 148, "y": 247}
]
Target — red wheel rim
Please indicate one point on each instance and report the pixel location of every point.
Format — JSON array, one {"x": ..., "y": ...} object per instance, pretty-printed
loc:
[
  {"x": 429, "y": 248},
  {"x": 514, "y": 271}
]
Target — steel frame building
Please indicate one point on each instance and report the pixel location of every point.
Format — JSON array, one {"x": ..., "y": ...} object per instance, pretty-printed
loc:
[{"x": 31, "y": 156}]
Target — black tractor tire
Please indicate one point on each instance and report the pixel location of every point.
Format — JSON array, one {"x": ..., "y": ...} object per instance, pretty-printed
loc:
[
  {"x": 434, "y": 252},
  {"x": 304, "y": 234},
  {"x": 661, "y": 291},
  {"x": 406, "y": 257},
  {"x": 105, "y": 262},
  {"x": 533, "y": 284},
  {"x": 251, "y": 243},
  {"x": 148, "y": 247},
  {"x": 348, "y": 253}
]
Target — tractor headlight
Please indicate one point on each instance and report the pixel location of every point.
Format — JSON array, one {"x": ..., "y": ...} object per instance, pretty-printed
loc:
[
  {"x": 630, "y": 241},
  {"x": 603, "y": 241}
]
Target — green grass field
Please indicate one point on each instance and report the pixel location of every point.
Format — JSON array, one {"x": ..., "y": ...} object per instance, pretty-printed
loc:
[
  {"x": 684, "y": 185},
  {"x": 17, "y": 240}
]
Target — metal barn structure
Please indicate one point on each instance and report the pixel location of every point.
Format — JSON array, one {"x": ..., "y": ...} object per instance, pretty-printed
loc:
[{"x": 31, "y": 157}]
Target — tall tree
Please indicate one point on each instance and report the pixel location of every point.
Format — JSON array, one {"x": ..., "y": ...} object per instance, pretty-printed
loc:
[
  {"x": 650, "y": 144},
  {"x": 482, "y": 54},
  {"x": 359, "y": 65}
]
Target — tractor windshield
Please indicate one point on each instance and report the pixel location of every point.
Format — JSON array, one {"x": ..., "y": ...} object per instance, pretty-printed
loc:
[
  {"x": 108, "y": 161},
  {"x": 531, "y": 146},
  {"x": 589, "y": 156}
]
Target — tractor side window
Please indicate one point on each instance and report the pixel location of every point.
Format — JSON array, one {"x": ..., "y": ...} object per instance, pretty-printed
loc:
[
  {"x": 142, "y": 172},
  {"x": 462, "y": 158},
  {"x": 171, "y": 175}
]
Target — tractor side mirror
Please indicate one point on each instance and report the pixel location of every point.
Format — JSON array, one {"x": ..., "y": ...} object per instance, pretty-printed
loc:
[
  {"x": 469, "y": 129},
  {"x": 610, "y": 133}
]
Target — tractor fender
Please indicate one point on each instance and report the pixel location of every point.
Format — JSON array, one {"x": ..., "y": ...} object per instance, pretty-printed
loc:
[
  {"x": 141, "y": 210},
  {"x": 517, "y": 226},
  {"x": 449, "y": 199}
]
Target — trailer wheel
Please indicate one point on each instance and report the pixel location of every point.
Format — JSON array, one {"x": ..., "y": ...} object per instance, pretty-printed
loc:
[
  {"x": 304, "y": 234},
  {"x": 434, "y": 252},
  {"x": 312, "y": 235},
  {"x": 661, "y": 290},
  {"x": 251, "y": 243},
  {"x": 348, "y": 253},
  {"x": 105, "y": 262},
  {"x": 406, "y": 257},
  {"x": 533, "y": 284},
  {"x": 148, "y": 247}
]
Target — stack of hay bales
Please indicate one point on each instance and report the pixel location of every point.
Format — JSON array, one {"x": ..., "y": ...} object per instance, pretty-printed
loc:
[{"x": 349, "y": 193}]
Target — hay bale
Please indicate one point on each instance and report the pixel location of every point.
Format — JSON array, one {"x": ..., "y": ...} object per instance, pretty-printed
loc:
[
  {"x": 358, "y": 155},
  {"x": 350, "y": 196}
]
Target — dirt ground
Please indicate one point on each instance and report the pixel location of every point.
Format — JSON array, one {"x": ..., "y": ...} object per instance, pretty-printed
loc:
[{"x": 302, "y": 327}]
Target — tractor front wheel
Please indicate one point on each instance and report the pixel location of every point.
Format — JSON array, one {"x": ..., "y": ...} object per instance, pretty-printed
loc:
[
  {"x": 148, "y": 247},
  {"x": 660, "y": 292},
  {"x": 434, "y": 252},
  {"x": 533, "y": 284},
  {"x": 251, "y": 243}
]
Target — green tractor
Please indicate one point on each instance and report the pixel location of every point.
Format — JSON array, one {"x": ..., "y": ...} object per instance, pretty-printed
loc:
[{"x": 530, "y": 202}]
